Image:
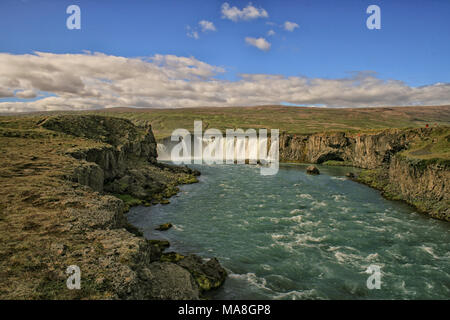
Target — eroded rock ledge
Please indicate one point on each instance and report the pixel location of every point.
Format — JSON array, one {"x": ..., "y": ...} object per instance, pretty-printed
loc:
[
  {"x": 398, "y": 162},
  {"x": 82, "y": 176}
]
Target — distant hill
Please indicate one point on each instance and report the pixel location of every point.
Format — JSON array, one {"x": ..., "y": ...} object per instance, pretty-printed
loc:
[{"x": 296, "y": 120}]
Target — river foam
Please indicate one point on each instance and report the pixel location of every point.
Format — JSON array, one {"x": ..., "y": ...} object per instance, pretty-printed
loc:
[{"x": 294, "y": 236}]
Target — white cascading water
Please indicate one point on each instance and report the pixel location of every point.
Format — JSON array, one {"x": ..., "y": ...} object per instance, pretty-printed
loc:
[
  {"x": 163, "y": 152},
  {"x": 242, "y": 150}
]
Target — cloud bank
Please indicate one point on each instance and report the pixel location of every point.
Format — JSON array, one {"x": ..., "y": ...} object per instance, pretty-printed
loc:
[
  {"x": 207, "y": 25},
  {"x": 260, "y": 43},
  {"x": 290, "y": 26},
  {"x": 248, "y": 13},
  {"x": 204, "y": 26},
  {"x": 87, "y": 81}
]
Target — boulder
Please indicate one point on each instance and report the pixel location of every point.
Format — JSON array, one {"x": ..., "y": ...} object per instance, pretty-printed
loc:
[
  {"x": 164, "y": 226},
  {"x": 168, "y": 281},
  {"x": 312, "y": 170},
  {"x": 171, "y": 257},
  {"x": 350, "y": 175},
  {"x": 209, "y": 275},
  {"x": 89, "y": 174},
  {"x": 162, "y": 244}
]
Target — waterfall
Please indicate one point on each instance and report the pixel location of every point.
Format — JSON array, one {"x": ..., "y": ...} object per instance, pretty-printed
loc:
[
  {"x": 163, "y": 152},
  {"x": 241, "y": 150}
]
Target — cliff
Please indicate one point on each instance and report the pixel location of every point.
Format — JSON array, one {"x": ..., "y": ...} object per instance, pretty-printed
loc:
[
  {"x": 124, "y": 160},
  {"x": 400, "y": 163},
  {"x": 421, "y": 183},
  {"x": 62, "y": 181}
]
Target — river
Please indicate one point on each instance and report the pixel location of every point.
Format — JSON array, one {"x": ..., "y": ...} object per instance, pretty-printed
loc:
[{"x": 297, "y": 236}]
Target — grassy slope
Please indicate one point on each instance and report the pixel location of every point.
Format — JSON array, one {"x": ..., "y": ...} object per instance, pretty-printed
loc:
[
  {"x": 304, "y": 121},
  {"x": 32, "y": 201},
  {"x": 289, "y": 119},
  {"x": 45, "y": 218},
  {"x": 294, "y": 120},
  {"x": 436, "y": 146}
]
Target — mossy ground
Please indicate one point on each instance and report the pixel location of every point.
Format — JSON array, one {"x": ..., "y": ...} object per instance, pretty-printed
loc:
[
  {"x": 428, "y": 150},
  {"x": 337, "y": 163},
  {"x": 293, "y": 120},
  {"x": 40, "y": 208},
  {"x": 432, "y": 148},
  {"x": 32, "y": 200},
  {"x": 130, "y": 201},
  {"x": 171, "y": 257}
]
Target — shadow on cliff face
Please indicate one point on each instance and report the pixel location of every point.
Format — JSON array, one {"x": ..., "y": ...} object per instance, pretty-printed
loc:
[{"x": 405, "y": 164}]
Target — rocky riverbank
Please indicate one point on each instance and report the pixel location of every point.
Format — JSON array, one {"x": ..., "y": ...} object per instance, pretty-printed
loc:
[
  {"x": 404, "y": 164},
  {"x": 67, "y": 182},
  {"x": 410, "y": 165}
]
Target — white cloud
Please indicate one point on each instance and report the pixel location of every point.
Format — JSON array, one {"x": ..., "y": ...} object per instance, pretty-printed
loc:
[
  {"x": 290, "y": 26},
  {"x": 259, "y": 43},
  {"x": 26, "y": 94},
  {"x": 270, "y": 32},
  {"x": 248, "y": 13},
  {"x": 204, "y": 26},
  {"x": 182, "y": 67},
  {"x": 207, "y": 26},
  {"x": 192, "y": 33},
  {"x": 88, "y": 81}
]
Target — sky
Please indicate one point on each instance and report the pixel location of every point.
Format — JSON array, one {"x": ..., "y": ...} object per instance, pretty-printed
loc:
[{"x": 175, "y": 53}]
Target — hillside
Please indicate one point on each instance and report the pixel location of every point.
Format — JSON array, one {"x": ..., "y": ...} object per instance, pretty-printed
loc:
[
  {"x": 66, "y": 183},
  {"x": 294, "y": 120}
]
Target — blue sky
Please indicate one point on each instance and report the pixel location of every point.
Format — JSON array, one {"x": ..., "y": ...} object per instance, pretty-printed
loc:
[
  {"x": 331, "y": 42},
  {"x": 413, "y": 44}
]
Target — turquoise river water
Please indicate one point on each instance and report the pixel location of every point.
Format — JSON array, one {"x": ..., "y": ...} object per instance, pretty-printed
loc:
[{"x": 296, "y": 236}]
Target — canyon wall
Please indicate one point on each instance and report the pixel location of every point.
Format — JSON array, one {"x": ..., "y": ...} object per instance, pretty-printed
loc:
[
  {"x": 422, "y": 183},
  {"x": 366, "y": 151},
  {"x": 116, "y": 157},
  {"x": 425, "y": 184},
  {"x": 122, "y": 160}
]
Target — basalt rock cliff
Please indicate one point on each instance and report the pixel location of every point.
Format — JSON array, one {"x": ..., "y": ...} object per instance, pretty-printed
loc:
[
  {"x": 391, "y": 165},
  {"x": 67, "y": 183}
]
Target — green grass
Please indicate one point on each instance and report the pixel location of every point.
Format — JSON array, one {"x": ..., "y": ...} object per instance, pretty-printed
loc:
[
  {"x": 294, "y": 120},
  {"x": 129, "y": 200},
  {"x": 432, "y": 148},
  {"x": 337, "y": 163}
]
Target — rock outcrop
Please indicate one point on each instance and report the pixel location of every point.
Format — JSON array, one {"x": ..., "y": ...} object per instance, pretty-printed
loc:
[
  {"x": 123, "y": 161},
  {"x": 164, "y": 226},
  {"x": 312, "y": 170},
  {"x": 125, "y": 164},
  {"x": 425, "y": 184},
  {"x": 420, "y": 182},
  {"x": 208, "y": 275},
  {"x": 169, "y": 281},
  {"x": 366, "y": 151},
  {"x": 82, "y": 173}
]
